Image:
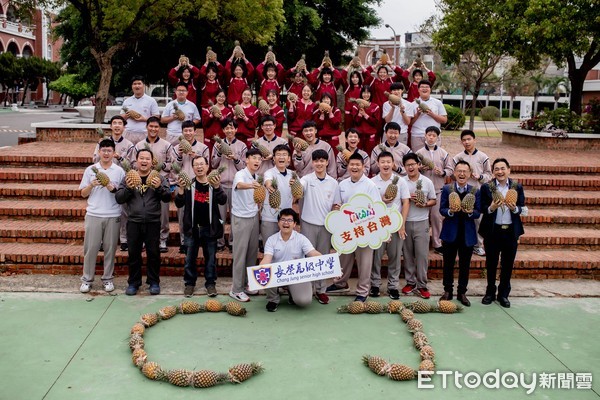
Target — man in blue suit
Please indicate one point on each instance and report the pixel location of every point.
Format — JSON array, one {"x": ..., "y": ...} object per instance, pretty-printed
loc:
[
  {"x": 459, "y": 234},
  {"x": 500, "y": 228}
]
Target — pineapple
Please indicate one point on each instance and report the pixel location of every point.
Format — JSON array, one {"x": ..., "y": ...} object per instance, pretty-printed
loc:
[
  {"x": 178, "y": 113},
  {"x": 131, "y": 175},
  {"x": 241, "y": 372},
  {"x": 154, "y": 159},
  {"x": 185, "y": 146},
  {"x": 420, "y": 198},
  {"x": 100, "y": 133},
  {"x": 187, "y": 181},
  {"x": 139, "y": 357},
  {"x": 216, "y": 172},
  {"x": 101, "y": 176},
  {"x": 275, "y": 196},
  {"x": 496, "y": 195},
  {"x": 392, "y": 190},
  {"x": 376, "y": 364},
  {"x": 355, "y": 307},
  {"x": 264, "y": 151},
  {"x": 132, "y": 113},
  {"x": 406, "y": 314},
  {"x": 424, "y": 107},
  {"x": 138, "y": 329},
  {"x": 292, "y": 97},
  {"x": 399, "y": 372},
  {"x": 167, "y": 312},
  {"x": 418, "y": 61},
  {"x": 190, "y": 307},
  {"x": 301, "y": 64},
  {"x": 448, "y": 307},
  {"x": 154, "y": 173},
  {"x": 354, "y": 65},
  {"x": 183, "y": 60},
  {"x": 211, "y": 56},
  {"x": 238, "y": 111},
  {"x": 361, "y": 103},
  {"x": 420, "y": 307},
  {"x": 212, "y": 305},
  {"x": 345, "y": 152},
  {"x": 427, "y": 353},
  {"x": 263, "y": 106},
  {"x": 420, "y": 340},
  {"x": 136, "y": 342},
  {"x": 327, "y": 63},
  {"x": 296, "y": 187},
  {"x": 179, "y": 377},
  {"x": 270, "y": 56},
  {"x": 235, "y": 309},
  {"x": 205, "y": 378},
  {"x": 394, "y": 306},
  {"x": 323, "y": 107},
  {"x": 149, "y": 319},
  {"x": 152, "y": 370},
  {"x": 238, "y": 53},
  {"x": 511, "y": 194},
  {"x": 373, "y": 307},
  {"x": 296, "y": 141},
  {"x": 468, "y": 202},
  {"x": 260, "y": 193},
  {"x": 385, "y": 59},
  {"x": 427, "y": 365},
  {"x": 454, "y": 200},
  {"x": 395, "y": 100},
  {"x": 426, "y": 162},
  {"x": 414, "y": 325},
  {"x": 215, "y": 110}
]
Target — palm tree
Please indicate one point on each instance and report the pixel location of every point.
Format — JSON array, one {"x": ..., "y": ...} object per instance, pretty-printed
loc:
[
  {"x": 443, "y": 82},
  {"x": 539, "y": 81},
  {"x": 556, "y": 85}
]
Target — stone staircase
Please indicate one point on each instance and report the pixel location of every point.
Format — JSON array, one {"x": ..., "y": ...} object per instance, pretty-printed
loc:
[{"x": 41, "y": 218}]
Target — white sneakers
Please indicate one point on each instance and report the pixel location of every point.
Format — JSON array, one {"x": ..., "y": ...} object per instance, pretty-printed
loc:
[
  {"x": 108, "y": 286},
  {"x": 85, "y": 287},
  {"x": 241, "y": 296}
]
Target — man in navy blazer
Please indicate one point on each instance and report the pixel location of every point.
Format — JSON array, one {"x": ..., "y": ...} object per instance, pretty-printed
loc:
[
  {"x": 500, "y": 228},
  {"x": 459, "y": 234}
]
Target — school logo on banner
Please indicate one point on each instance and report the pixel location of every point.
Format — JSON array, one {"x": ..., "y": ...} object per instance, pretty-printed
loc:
[{"x": 262, "y": 275}]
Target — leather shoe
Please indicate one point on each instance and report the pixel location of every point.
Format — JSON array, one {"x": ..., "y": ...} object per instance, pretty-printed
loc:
[
  {"x": 504, "y": 302},
  {"x": 487, "y": 299},
  {"x": 446, "y": 296},
  {"x": 463, "y": 300}
]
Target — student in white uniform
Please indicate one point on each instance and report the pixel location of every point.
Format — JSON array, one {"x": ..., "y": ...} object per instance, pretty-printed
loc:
[
  {"x": 356, "y": 183},
  {"x": 144, "y": 105},
  {"x": 269, "y": 216},
  {"x": 287, "y": 244}
]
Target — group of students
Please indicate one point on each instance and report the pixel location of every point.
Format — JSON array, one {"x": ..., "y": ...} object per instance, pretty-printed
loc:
[{"x": 204, "y": 207}]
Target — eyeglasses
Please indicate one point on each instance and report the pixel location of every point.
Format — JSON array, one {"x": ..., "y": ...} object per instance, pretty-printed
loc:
[
  {"x": 287, "y": 220},
  {"x": 106, "y": 151},
  {"x": 268, "y": 126},
  {"x": 410, "y": 165}
]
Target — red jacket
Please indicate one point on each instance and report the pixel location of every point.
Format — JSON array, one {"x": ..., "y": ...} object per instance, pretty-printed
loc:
[
  {"x": 329, "y": 126},
  {"x": 192, "y": 91},
  {"x": 212, "y": 125},
  {"x": 330, "y": 88},
  {"x": 210, "y": 89},
  {"x": 378, "y": 87},
  {"x": 367, "y": 126},
  {"x": 236, "y": 86},
  {"x": 301, "y": 113},
  {"x": 248, "y": 128},
  {"x": 412, "y": 88},
  {"x": 266, "y": 84}
]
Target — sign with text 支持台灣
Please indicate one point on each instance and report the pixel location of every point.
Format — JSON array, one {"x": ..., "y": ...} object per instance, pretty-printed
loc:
[
  {"x": 362, "y": 222},
  {"x": 294, "y": 271}
]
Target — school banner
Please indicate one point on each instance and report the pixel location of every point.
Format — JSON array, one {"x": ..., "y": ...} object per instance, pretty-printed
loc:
[
  {"x": 362, "y": 222},
  {"x": 294, "y": 271}
]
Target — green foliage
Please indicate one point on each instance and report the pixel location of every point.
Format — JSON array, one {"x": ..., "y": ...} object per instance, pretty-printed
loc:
[
  {"x": 515, "y": 113},
  {"x": 490, "y": 113},
  {"x": 70, "y": 85},
  {"x": 456, "y": 118},
  {"x": 560, "y": 118},
  {"x": 591, "y": 116}
]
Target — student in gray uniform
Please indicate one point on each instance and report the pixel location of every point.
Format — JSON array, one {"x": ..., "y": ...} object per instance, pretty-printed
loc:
[{"x": 287, "y": 244}]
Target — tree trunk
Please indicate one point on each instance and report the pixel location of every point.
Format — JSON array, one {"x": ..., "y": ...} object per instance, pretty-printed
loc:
[
  {"x": 104, "y": 60},
  {"x": 464, "y": 100},
  {"x": 577, "y": 80},
  {"x": 510, "y": 107},
  {"x": 26, "y": 86},
  {"x": 473, "y": 106},
  {"x": 535, "y": 103}
]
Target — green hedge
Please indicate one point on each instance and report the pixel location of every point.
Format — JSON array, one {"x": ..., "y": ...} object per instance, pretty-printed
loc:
[
  {"x": 456, "y": 118},
  {"x": 490, "y": 113}
]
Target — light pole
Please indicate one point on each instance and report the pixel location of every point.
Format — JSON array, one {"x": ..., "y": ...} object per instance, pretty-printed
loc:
[{"x": 395, "y": 53}]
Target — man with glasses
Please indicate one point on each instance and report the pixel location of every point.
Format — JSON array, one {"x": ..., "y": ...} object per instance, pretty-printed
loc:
[
  {"x": 287, "y": 244},
  {"x": 416, "y": 244},
  {"x": 173, "y": 120},
  {"x": 102, "y": 218},
  {"x": 282, "y": 175},
  {"x": 268, "y": 140}
]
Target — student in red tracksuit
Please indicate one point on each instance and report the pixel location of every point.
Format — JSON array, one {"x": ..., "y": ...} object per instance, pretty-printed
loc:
[
  {"x": 352, "y": 88},
  {"x": 210, "y": 75},
  {"x": 325, "y": 80},
  {"x": 187, "y": 74},
  {"x": 275, "y": 111},
  {"x": 412, "y": 88},
  {"x": 238, "y": 76},
  {"x": 366, "y": 121},
  {"x": 246, "y": 130},
  {"x": 328, "y": 123},
  {"x": 271, "y": 77},
  {"x": 382, "y": 81},
  {"x": 211, "y": 121},
  {"x": 300, "y": 111},
  {"x": 295, "y": 83}
]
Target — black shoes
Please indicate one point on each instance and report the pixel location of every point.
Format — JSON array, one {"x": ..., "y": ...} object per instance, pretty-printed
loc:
[
  {"x": 394, "y": 294},
  {"x": 183, "y": 249},
  {"x": 463, "y": 300},
  {"x": 447, "y": 296},
  {"x": 504, "y": 302},
  {"x": 124, "y": 247},
  {"x": 374, "y": 292},
  {"x": 272, "y": 306},
  {"x": 488, "y": 299}
]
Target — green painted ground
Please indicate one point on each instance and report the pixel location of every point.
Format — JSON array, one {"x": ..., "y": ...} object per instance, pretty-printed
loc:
[{"x": 59, "y": 346}]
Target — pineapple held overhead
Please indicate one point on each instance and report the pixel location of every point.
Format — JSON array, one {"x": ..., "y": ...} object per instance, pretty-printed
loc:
[{"x": 183, "y": 60}]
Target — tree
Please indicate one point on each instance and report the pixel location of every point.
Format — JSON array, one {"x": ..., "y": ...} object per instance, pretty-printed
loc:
[
  {"x": 556, "y": 86},
  {"x": 443, "y": 81},
  {"x": 110, "y": 26},
  {"x": 9, "y": 72},
  {"x": 539, "y": 81},
  {"x": 470, "y": 40},
  {"x": 72, "y": 86}
]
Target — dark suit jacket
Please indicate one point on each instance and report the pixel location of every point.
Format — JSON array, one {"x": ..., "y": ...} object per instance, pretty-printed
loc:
[
  {"x": 488, "y": 221},
  {"x": 451, "y": 222},
  {"x": 217, "y": 197}
]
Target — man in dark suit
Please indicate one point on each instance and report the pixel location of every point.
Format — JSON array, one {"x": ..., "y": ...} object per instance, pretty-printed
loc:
[
  {"x": 459, "y": 234},
  {"x": 500, "y": 227}
]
